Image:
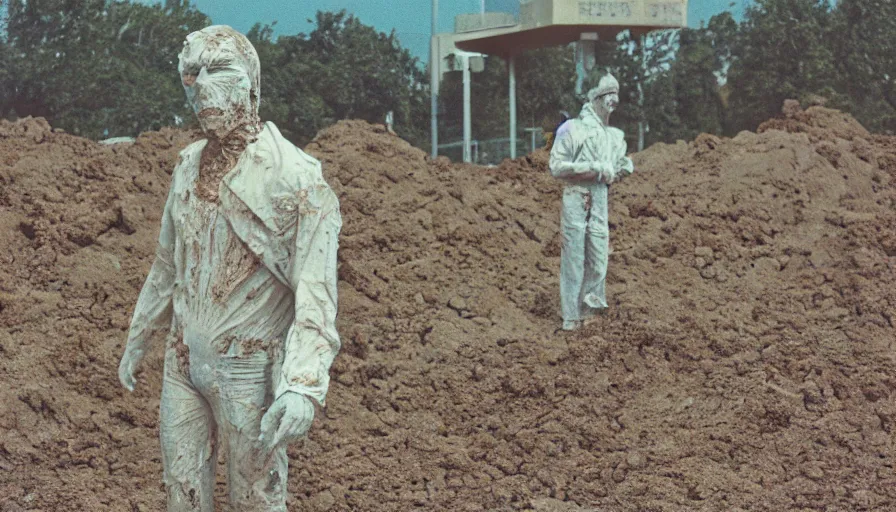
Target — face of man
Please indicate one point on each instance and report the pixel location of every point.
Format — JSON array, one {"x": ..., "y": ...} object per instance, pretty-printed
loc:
[
  {"x": 218, "y": 81},
  {"x": 607, "y": 103}
]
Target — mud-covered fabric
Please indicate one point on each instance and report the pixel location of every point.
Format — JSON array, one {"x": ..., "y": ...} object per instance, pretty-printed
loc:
[
  {"x": 258, "y": 269},
  {"x": 244, "y": 284},
  {"x": 587, "y": 155},
  {"x": 222, "y": 79}
]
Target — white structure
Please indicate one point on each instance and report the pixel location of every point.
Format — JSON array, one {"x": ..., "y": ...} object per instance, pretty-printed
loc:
[
  {"x": 469, "y": 63},
  {"x": 546, "y": 23}
]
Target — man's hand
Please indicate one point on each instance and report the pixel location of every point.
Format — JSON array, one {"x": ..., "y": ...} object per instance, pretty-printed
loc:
[
  {"x": 624, "y": 167},
  {"x": 130, "y": 361},
  {"x": 609, "y": 177},
  {"x": 286, "y": 420},
  {"x": 602, "y": 173}
]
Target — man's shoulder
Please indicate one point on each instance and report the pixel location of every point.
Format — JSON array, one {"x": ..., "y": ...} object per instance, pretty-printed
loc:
[
  {"x": 277, "y": 154},
  {"x": 187, "y": 158},
  {"x": 571, "y": 128},
  {"x": 562, "y": 129},
  {"x": 616, "y": 133},
  {"x": 277, "y": 180},
  {"x": 193, "y": 150}
]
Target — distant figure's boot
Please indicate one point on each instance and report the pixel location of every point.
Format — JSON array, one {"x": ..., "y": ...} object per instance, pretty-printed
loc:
[{"x": 571, "y": 325}]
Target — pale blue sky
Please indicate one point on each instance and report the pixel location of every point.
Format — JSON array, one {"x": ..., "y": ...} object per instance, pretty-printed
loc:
[{"x": 411, "y": 19}]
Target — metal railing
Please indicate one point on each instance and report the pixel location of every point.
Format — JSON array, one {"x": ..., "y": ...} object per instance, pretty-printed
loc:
[{"x": 489, "y": 151}]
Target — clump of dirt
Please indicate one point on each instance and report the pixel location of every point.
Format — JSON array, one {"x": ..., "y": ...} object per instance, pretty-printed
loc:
[
  {"x": 78, "y": 224},
  {"x": 745, "y": 363},
  {"x": 820, "y": 123}
]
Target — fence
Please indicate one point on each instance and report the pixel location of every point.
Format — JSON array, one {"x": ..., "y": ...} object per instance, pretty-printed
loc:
[{"x": 490, "y": 151}]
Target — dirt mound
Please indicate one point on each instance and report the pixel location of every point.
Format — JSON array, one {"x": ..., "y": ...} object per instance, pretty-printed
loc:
[
  {"x": 820, "y": 123},
  {"x": 745, "y": 364}
]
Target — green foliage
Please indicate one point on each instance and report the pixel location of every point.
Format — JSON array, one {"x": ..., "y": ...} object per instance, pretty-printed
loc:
[
  {"x": 343, "y": 69},
  {"x": 661, "y": 107},
  {"x": 545, "y": 85},
  {"x": 647, "y": 91},
  {"x": 288, "y": 81},
  {"x": 97, "y": 68},
  {"x": 624, "y": 62},
  {"x": 545, "y": 82},
  {"x": 783, "y": 50},
  {"x": 702, "y": 59},
  {"x": 489, "y": 103},
  {"x": 108, "y": 68},
  {"x": 865, "y": 55}
]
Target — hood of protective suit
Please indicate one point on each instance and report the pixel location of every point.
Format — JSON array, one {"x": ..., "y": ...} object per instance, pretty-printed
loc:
[
  {"x": 605, "y": 97},
  {"x": 221, "y": 74},
  {"x": 607, "y": 84}
]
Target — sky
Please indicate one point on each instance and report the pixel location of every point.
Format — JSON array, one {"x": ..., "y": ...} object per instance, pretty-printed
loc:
[{"x": 411, "y": 19}]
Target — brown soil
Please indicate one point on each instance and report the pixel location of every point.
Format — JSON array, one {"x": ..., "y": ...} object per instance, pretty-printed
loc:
[{"x": 746, "y": 362}]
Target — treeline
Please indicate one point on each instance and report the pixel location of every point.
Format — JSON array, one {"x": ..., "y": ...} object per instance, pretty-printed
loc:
[
  {"x": 102, "y": 68},
  {"x": 93, "y": 67},
  {"x": 722, "y": 78}
]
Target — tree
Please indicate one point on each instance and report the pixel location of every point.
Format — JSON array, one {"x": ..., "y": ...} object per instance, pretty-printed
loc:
[
  {"x": 545, "y": 81},
  {"x": 782, "y": 51},
  {"x": 97, "y": 68},
  {"x": 289, "y": 85},
  {"x": 648, "y": 106},
  {"x": 865, "y": 49},
  {"x": 488, "y": 98},
  {"x": 699, "y": 67},
  {"x": 365, "y": 73},
  {"x": 662, "y": 110},
  {"x": 343, "y": 69},
  {"x": 641, "y": 65},
  {"x": 5, "y": 67},
  {"x": 669, "y": 81}
]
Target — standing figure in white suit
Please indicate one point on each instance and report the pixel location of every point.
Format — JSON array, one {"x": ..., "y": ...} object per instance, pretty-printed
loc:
[
  {"x": 244, "y": 285},
  {"x": 588, "y": 155}
]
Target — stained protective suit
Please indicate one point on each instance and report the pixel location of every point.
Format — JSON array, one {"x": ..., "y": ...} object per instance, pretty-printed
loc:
[
  {"x": 245, "y": 288},
  {"x": 587, "y": 156}
]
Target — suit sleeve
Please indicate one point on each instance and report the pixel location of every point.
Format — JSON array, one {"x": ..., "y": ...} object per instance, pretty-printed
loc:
[
  {"x": 154, "y": 305},
  {"x": 312, "y": 341},
  {"x": 563, "y": 156},
  {"x": 624, "y": 164}
]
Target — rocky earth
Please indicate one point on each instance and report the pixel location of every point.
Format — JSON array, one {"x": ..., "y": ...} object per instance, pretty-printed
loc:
[{"x": 746, "y": 363}]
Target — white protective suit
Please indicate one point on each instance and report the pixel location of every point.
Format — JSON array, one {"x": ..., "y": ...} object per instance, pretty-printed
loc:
[
  {"x": 587, "y": 156},
  {"x": 245, "y": 287}
]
